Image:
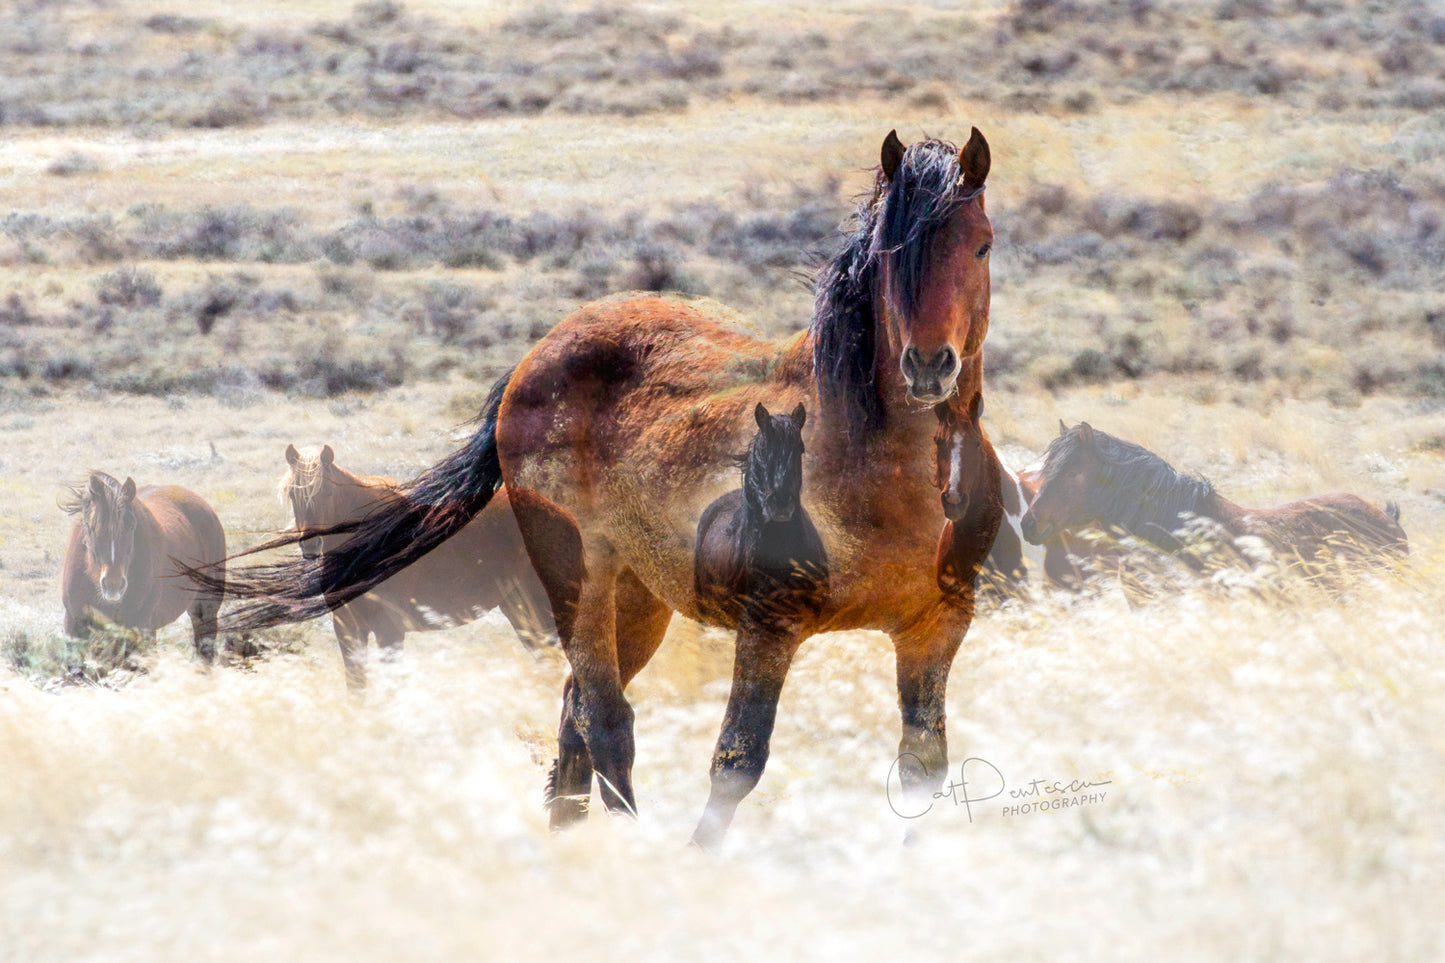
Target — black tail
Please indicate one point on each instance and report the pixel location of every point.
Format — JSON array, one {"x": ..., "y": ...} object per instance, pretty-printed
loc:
[
  {"x": 432, "y": 507},
  {"x": 1393, "y": 510}
]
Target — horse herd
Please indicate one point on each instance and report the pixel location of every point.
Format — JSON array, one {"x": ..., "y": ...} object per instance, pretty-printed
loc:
[{"x": 600, "y": 494}]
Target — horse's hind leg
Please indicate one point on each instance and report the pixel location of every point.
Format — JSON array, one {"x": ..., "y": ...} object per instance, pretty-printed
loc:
[
  {"x": 641, "y": 623},
  {"x": 760, "y": 666},
  {"x": 203, "y": 612}
]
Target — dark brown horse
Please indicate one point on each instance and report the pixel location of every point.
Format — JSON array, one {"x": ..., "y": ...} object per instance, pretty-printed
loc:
[
  {"x": 128, "y": 553},
  {"x": 1090, "y": 478},
  {"x": 970, "y": 478},
  {"x": 622, "y": 423},
  {"x": 758, "y": 553},
  {"x": 484, "y": 566}
]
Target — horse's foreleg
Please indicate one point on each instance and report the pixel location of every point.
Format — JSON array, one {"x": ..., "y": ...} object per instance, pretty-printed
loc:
[
  {"x": 760, "y": 666},
  {"x": 925, "y": 654}
]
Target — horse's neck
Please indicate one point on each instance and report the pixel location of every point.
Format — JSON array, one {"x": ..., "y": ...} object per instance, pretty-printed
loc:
[
  {"x": 1155, "y": 515},
  {"x": 1220, "y": 509},
  {"x": 147, "y": 533},
  {"x": 357, "y": 494},
  {"x": 750, "y": 526}
]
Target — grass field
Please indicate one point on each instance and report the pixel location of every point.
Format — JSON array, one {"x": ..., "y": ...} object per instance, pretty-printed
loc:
[{"x": 226, "y": 228}]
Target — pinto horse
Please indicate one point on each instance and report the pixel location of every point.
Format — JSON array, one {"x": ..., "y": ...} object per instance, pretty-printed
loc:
[
  {"x": 129, "y": 551},
  {"x": 484, "y": 566},
  {"x": 1092, "y": 478},
  {"x": 618, "y": 429}
]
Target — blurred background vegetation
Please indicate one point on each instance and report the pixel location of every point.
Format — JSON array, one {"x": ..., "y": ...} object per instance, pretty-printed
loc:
[{"x": 1316, "y": 280}]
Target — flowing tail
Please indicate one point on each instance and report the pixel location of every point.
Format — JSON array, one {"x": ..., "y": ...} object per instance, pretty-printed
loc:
[{"x": 432, "y": 507}]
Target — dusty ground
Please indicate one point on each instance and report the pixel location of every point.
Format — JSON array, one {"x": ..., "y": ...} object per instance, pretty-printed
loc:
[{"x": 1227, "y": 252}]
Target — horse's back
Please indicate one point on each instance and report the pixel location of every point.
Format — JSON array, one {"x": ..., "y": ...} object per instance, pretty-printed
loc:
[
  {"x": 637, "y": 371},
  {"x": 187, "y": 523},
  {"x": 466, "y": 576},
  {"x": 1341, "y": 521}
]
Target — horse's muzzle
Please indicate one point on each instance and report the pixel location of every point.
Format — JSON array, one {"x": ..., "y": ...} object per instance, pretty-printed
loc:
[
  {"x": 932, "y": 379},
  {"x": 112, "y": 589},
  {"x": 1029, "y": 529},
  {"x": 774, "y": 513},
  {"x": 954, "y": 506}
]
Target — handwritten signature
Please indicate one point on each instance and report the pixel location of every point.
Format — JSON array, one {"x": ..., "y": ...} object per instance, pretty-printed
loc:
[{"x": 983, "y": 782}]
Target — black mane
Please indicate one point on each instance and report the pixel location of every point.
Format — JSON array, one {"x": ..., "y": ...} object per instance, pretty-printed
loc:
[
  {"x": 895, "y": 228},
  {"x": 1135, "y": 490}
]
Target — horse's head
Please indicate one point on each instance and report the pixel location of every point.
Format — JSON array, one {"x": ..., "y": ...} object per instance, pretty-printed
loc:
[
  {"x": 311, "y": 494},
  {"x": 959, "y": 440},
  {"x": 932, "y": 239},
  {"x": 773, "y": 472},
  {"x": 107, "y": 523},
  {"x": 1066, "y": 483}
]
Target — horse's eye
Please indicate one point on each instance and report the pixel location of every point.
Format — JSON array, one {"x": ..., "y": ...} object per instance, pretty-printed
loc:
[{"x": 983, "y": 251}]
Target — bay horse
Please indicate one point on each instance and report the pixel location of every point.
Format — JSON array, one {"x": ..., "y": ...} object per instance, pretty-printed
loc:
[
  {"x": 759, "y": 562},
  {"x": 618, "y": 428},
  {"x": 128, "y": 553},
  {"x": 484, "y": 566},
  {"x": 1090, "y": 477}
]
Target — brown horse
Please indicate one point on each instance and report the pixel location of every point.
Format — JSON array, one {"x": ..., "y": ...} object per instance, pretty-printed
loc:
[
  {"x": 127, "y": 555},
  {"x": 622, "y": 423},
  {"x": 970, "y": 478},
  {"x": 482, "y": 567},
  {"x": 1090, "y": 478}
]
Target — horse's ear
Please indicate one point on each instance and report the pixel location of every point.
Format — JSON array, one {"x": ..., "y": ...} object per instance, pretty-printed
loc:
[
  {"x": 292, "y": 455},
  {"x": 800, "y": 415},
  {"x": 1063, "y": 428},
  {"x": 973, "y": 160},
  {"x": 97, "y": 488},
  {"x": 760, "y": 415},
  {"x": 327, "y": 456},
  {"x": 1086, "y": 434},
  {"x": 892, "y": 154},
  {"x": 127, "y": 491},
  {"x": 975, "y": 408}
]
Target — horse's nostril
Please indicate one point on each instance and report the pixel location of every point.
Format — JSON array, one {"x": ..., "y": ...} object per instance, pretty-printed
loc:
[
  {"x": 948, "y": 360},
  {"x": 911, "y": 360}
]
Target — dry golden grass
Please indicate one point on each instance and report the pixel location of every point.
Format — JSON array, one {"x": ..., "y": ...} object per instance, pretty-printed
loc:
[{"x": 1275, "y": 770}]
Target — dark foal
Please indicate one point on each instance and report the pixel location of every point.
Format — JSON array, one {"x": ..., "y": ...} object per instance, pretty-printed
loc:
[
  {"x": 970, "y": 478},
  {"x": 760, "y": 564},
  {"x": 126, "y": 557},
  {"x": 1093, "y": 478}
]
